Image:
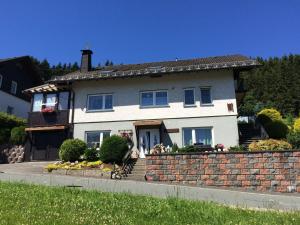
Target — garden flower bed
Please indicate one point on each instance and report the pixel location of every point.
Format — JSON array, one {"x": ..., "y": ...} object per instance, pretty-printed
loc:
[{"x": 84, "y": 168}]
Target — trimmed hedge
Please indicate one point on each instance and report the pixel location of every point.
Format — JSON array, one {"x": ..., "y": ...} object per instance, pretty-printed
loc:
[
  {"x": 4, "y": 135},
  {"x": 7, "y": 122},
  {"x": 269, "y": 145},
  {"x": 268, "y": 115},
  {"x": 277, "y": 129},
  {"x": 18, "y": 135},
  {"x": 10, "y": 121},
  {"x": 272, "y": 121},
  {"x": 71, "y": 150},
  {"x": 90, "y": 154},
  {"x": 297, "y": 125},
  {"x": 113, "y": 149},
  {"x": 294, "y": 139}
]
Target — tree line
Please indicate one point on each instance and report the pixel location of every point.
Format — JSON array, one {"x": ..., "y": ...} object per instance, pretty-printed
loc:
[
  {"x": 275, "y": 84},
  {"x": 46, "y": 71}
]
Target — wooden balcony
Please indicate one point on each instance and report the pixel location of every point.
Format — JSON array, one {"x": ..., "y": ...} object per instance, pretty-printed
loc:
[{"x": 39, "y": 119}]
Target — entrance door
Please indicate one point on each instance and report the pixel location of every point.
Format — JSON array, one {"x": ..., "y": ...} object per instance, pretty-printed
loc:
[{"x": 147, "y": 139}]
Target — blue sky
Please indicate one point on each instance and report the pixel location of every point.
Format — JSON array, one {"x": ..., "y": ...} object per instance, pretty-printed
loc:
[{"x": 134, "y": 31}]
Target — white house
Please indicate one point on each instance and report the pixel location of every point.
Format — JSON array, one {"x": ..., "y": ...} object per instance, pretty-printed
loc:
[{"x": 184, "y": 102}]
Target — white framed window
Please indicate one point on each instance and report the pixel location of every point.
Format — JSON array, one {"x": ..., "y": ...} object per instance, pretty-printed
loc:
[
  {"x": 1, "y": 78},
  {"x": 101, "y": 102},
  {"x": 205, "y": 96},
  {"x": 13, "y": 87},
  {"x": 189, "y": 97},
  {"x": 51, "y": 101},
  {"x": 154, "y": 98},
  {"x": 37, "y": 102},
  {"x": 198, "y": 135},
  {"x": 94, "y": 139},
  {"x": 63, "y": 101}
]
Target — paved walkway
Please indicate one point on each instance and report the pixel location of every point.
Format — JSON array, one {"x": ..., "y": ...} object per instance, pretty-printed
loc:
[
  {"x": 26, "y": 167},
  {"x": 33, "y": 173}
]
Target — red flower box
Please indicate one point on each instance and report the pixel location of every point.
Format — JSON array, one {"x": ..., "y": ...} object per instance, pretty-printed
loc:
[{"x": 48, "y": 110}]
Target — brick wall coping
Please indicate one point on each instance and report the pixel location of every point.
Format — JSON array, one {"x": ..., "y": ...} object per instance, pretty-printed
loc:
[{"x": 208, "y": 153}]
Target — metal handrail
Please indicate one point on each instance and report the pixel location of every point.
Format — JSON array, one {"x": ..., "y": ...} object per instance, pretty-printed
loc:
[{"x": 263, "y": 133}]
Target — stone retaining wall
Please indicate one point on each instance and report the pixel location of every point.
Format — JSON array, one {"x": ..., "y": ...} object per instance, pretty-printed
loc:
[
  {"x": 12, "y": 153},
  {"x": 258, "y": 171}
]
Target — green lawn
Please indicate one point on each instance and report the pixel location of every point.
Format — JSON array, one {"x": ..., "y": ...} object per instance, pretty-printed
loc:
[{"x": 28, "y": 204}]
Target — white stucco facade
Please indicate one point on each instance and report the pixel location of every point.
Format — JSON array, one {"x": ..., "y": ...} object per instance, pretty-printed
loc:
[
  {"x": 20, "y": 107},
  {"x": 127, "y": 109},
  {"x": 126, "y": 97}
]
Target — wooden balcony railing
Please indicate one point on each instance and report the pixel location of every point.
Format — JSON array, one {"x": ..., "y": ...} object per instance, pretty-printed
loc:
[{"x": 39, "y": 119}]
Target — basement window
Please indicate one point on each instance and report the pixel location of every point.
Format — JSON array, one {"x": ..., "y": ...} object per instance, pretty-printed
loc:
[
  {"x": 94, "y": 139},
  {"x": 199, "y": 136}
]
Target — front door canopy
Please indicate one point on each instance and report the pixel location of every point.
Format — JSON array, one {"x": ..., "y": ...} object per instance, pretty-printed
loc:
[
  {"x": 45, "y": 128},
  {"x": 148, "y": 123}
]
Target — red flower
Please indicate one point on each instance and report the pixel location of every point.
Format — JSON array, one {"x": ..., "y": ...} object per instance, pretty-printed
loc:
[{"x": 48, "y": 110}]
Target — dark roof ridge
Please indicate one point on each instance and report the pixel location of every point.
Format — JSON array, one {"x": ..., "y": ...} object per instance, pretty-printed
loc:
[
  {"x": 14, "y": 58},
  {"x": 130, "y": 70}
]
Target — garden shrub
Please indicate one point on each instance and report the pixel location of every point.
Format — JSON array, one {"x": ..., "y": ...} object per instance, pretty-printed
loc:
[
  {"x": 7, "y": 122},
  {"x": 266, "y": 116},
  {"x": 18, "y": 135},
  {"x": 113, "y": 149},
  {"x": 294, "y": 139},
  {"x": 277, "y": 129},
  {"x": 237, "y": 148},
  {"x": 71, "y": 150},
  {"x": 175, "y": 148},
  {"x": 273, "y": 123},
  {"x": 90, "y": 154},
  {"x": 297, "y": 125},
  {"x": 269, "y": 145},
  {"x": 4, "y": 135},
  {"x": 10, "y": 121},
  {"x": 189, "y": 148}
]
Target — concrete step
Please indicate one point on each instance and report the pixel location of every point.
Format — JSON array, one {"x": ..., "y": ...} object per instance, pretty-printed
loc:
[
  {"x": 137, "y": 178},
  {"x": 137, "y": 174},
  {"x": 140, "y": 163}
]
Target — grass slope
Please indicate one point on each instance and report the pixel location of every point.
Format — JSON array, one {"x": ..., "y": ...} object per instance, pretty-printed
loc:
[{"x": 30, "y": 204}]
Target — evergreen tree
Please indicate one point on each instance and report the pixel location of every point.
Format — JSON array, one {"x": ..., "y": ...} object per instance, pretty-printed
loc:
[{"x": 275, "y": 84}]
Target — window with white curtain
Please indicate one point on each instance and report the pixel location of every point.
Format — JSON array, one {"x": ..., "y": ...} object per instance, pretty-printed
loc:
[
  {"x": 51, "y": 100},
  {"x": 59, "y": 101},
  {"x": 201, "y": 135},
  {"x": 37, "y": 102},
  {"x": 94, "y": 139}
]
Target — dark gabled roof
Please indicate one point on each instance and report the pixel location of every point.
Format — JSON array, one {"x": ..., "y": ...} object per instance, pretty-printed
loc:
[
  {"x": 13, "y": 58},
  {"x": 135, "y": 70},
  {"x": 27, "y": 60}
]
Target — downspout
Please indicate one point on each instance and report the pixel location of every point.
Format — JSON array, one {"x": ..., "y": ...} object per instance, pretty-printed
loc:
[{"x": 73, "y": 106}]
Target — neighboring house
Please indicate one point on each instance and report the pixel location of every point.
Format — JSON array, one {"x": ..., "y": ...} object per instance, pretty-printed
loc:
[
  {"x": 16, "y": 75},
  {"x": 183, "y": 102}
]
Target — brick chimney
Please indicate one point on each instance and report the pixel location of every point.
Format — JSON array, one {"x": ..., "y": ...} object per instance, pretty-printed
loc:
[{"x": 86, "y": 60}]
